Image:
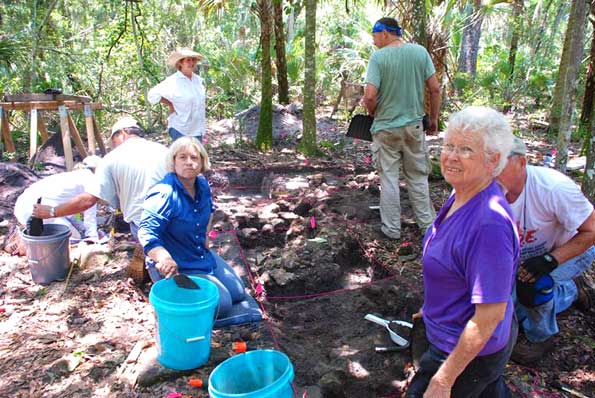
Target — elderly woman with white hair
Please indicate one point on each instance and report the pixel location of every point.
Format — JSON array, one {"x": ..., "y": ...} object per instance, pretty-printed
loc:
[
  {"x": 470, "y": 256},
  {"x": 174, "y": 231},
  {"x": 184, "y": 95}
]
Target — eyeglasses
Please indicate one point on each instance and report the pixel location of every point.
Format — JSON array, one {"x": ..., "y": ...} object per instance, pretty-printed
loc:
[{"x": 463, "y": 152}]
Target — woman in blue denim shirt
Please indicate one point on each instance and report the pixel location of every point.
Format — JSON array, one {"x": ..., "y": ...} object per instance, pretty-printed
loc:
[{"x": 174, "y": 227}]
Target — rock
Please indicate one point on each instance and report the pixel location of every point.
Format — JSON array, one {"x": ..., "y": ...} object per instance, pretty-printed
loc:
[
  {"x": 303, "y": 208},
  {"x": 295, "y": 229},
  {"x": 57, "y": 370},
  {"x": 93, "y": 256},
  {"x": 281, "y": 277},
  {"x": 316, "y": 244},
  {"x": 313, "y": 392},
  {"x": 331, "y": 384},
  {"x": 279, "y": 223},
  {"x": 289, "y": 216},
  {"x": 151, "y": 372}
]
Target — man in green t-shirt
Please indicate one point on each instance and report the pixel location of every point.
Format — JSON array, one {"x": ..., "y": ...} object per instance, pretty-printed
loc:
[{"x": 397, "y": 75}]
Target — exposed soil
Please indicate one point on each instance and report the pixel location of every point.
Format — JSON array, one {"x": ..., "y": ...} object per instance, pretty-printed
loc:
[{"x": 302, "y": 234}]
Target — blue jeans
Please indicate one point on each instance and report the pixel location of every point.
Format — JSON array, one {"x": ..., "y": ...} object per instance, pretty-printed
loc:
[
  {"x": 482, "y": 378},
  {"x": 235, "y": 306},
  {"x": 539, "y": 323},
  {"x": 175, "y": 134}
]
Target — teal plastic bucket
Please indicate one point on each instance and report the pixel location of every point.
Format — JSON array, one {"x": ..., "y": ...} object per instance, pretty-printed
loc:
[
  {"x": 184, "y": 321},
  {"x": 255, "y": 374},
  {"x": 48, "y": 254}
]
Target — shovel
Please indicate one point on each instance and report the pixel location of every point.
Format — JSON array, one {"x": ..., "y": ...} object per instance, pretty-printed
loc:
[
  {"x": 185, "y": 282},
  {"x": 394, "y": 336},
  {"x": 359, "y": 127}
]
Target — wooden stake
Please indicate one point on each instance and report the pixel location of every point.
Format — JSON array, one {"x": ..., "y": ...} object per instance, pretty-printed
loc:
[
  {"x": 42, "y": 129},
  {"x": 77, "y": 137},
  {"x": 66, "y": 137},
  {"x": 90, "y": 127},
  {"x": 5, "y": 127},
  {"x": 98, "y": 136},
  {"x": 33, "y": 135}
]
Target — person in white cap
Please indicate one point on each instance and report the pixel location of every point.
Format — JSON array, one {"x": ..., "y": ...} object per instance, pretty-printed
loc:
[
  {"x": 556, "y": 226},
  {"x": 122, "y": 178},
  {"x": 59, "y": 188},
  {"x": 184, "y": 95}
]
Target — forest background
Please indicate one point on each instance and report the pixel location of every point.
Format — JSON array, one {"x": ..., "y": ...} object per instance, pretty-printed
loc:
[{"x": 533, "y": 58}]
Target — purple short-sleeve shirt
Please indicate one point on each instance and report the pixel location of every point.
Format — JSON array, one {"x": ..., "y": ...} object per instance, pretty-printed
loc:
[{"x": 469, "y": 258}]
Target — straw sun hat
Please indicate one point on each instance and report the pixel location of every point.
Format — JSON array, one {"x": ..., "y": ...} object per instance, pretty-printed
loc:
[{"x": 182, "y": 53}]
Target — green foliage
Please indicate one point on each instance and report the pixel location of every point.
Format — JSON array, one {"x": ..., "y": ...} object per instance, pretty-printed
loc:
[{"x": 92, "y": 51}]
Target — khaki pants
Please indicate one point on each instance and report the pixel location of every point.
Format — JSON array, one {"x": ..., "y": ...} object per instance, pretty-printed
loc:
[{"x": 406, "y": 145}]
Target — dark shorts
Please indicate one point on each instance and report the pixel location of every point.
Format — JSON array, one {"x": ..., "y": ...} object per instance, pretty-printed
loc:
[{"x": 482, "y": 378}]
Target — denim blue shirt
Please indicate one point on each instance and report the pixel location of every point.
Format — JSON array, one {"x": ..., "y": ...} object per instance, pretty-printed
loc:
[{"x": 173, "y": 220}]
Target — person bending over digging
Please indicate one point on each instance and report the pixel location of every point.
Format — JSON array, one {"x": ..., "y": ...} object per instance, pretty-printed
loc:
[
  {"x": 469, "y": 261},
  {"x": 174, "y": 229},
  {"x": 122, "y": 178},
  {"x": 556, "y": 226}
]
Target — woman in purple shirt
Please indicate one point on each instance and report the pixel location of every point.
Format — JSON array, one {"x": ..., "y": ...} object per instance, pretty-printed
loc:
[
  {"x": 174, "y": 227},
  {"x": 470, "y": 256}
]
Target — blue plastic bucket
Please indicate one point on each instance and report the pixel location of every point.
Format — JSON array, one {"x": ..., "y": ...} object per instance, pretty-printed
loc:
[
  {"x": 184, "y": 321},
  {"x": 255, "y": 374},
  {"x": 48, "y": 254}
]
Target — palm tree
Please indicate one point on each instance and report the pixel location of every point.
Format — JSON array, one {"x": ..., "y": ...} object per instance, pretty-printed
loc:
[
  {"x": 308, "y": 143},
  {"x": 264, "y": 135}
]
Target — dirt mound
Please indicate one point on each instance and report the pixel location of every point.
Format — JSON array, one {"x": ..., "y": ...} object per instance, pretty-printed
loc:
[{"x": 287, "y": 125}]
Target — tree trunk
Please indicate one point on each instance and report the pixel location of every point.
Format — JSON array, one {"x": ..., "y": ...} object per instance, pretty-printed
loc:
[
  {"x": 589, "y": 176},
  {"x": 264, "y": 135},
  {"x": 560, "y": 124},
  {"x": 517, "y": 11},
  {"x": 539, "y": 19},
  {"x": 308, "y": 143},
  {"x": 587, "y": 111},
  {"x": 141, "y": 64},
  {"x": 419, "y": 23},
  {"x": 280, "y": 59},
  {"x": 470, "y": 40},
  {"x": 516, "y": 25},
  {"x": 31, "y": 79}
]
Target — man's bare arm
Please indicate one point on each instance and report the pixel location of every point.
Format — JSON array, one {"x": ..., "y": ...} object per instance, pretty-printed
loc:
[
  {"x": 434, "y": 90},
  {"x": 77, "y": 204},
  {"x": 370, "y": 98},
  {"x": 584, "y": 239}
]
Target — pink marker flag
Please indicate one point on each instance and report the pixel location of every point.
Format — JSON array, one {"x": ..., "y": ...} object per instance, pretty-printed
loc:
[
  {"x": 174, "y": 395},
  {"x": 367, "y": 159},
  {"x": 313, "y": 222},
  {"x": 306, "y": 161},
  {"x": 259, "y": 289}
]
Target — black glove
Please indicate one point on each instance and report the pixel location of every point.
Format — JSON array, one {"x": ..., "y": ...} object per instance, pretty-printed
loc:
[{"x": 540, "y": 265}]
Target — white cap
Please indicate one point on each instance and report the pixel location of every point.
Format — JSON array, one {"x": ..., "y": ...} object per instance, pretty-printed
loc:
[
  {"x": 124, "y": 123},
  {"x": 92, "y": 161}
]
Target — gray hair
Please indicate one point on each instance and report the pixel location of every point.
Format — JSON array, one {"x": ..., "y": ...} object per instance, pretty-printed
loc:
[
  {"x": 490, "y": 125},
  {"x": 183, "y": 143}
]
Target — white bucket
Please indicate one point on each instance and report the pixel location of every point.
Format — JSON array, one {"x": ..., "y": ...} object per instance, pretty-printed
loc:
[{"x": 48, "y": 254}]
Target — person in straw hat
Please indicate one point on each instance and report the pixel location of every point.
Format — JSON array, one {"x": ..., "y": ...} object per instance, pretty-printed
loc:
[{"x": 184, "y": 95}]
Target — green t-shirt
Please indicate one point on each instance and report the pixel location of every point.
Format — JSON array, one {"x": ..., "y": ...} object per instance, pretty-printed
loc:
[{"x": 399, "y": 74}]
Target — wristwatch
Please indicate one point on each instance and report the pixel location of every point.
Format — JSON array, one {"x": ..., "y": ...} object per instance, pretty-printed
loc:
[{"x": 52, "y": 212}]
